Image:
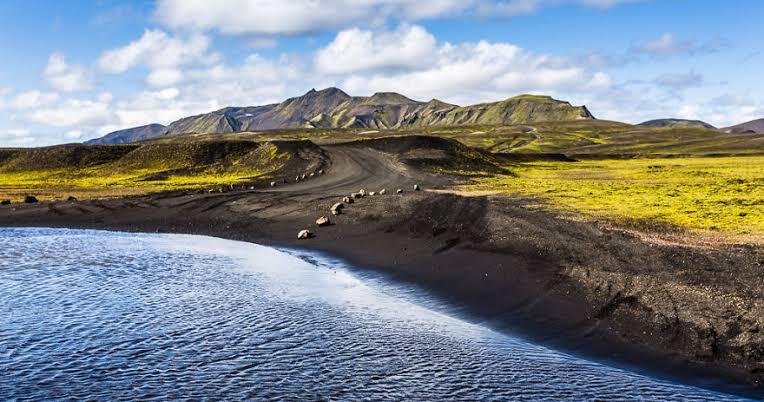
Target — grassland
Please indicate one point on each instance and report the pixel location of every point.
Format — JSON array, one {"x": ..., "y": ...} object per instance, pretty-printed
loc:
[
  {"x": 581, "y": 138},
  {"x": 703, "y": 194},
  {"x": 60, "y": 172}
]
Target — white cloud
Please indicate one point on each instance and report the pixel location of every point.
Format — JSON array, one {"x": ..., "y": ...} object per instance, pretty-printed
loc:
[
  {"x": 32, "y": 99},
  {"x": 668, "y": 45},
  {"x": 77, "y": 113},
  {"x": 161, "y": 53},
  {"x": 73, "y": 134},
  {"x": 357, "y": 50},
  {"x": 276, "y": 17},
  {"x": 65, "y": 77},
  {"x": 464, "y": 73},
  {"x": 16, "y": 137}
]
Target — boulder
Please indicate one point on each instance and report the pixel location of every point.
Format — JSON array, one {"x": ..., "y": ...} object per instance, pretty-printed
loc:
[
  {"x": 416, "y": 187},
  {"x": 382, "y": 192},
  {"x": 362, "y": 192},
  {"x": 303, "y": 176},
  {"x": 5, "y": 202},
  {"x": 312, "y": 174},
  {"x": 321, "y": 171},
  {"x": 304, "y": 234},
  {"x": 356, "y": 195},
  {"x": 399, "y": 191},
  {"x": 337, "y": 208},
  {"x": 323, "y": 221},
  {"x": 273, "y": 184},
  {"x": 30, "y": 199},
  {"x": 348, "y": 200},
  {"x": 372, "y": 193},
  {"x": 297, "y": 178}
]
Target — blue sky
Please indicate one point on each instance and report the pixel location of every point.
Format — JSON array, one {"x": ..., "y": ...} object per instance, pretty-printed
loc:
[{"x": 79, "y": 69}]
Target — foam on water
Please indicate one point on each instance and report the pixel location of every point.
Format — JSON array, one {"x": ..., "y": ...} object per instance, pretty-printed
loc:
[{"x": 104, "y": 315}]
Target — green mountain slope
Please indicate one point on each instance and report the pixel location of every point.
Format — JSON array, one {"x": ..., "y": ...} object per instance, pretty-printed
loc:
[{"x": 333, "y": 108}]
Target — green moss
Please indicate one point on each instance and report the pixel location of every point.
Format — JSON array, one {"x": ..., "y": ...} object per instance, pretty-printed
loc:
[{"x": 703, "y": 194}]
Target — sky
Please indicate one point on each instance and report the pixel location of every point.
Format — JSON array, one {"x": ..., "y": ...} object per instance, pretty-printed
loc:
[{"x": 77, "y": 70}]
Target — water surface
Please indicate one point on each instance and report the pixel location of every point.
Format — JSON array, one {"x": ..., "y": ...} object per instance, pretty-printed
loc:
[{"x": 104, "y": 315}]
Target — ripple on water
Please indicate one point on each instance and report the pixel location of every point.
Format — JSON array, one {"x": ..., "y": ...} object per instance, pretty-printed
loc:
[{"x": 102, "y": 315}]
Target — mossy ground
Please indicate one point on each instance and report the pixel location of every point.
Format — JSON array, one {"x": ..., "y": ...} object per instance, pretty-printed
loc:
[
  {"x": 144, "y": 171},
  {"x": 704, "y": 194}
]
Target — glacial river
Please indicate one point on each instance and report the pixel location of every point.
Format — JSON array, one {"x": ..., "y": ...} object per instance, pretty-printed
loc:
[{"x": 108, "y": 316}]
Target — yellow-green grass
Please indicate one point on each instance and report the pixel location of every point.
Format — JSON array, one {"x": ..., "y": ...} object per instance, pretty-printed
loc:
[
  {"x": 118, "y": 178},
  {"x": 702, "y": 194},
  {"x": 98, "y": 183}
]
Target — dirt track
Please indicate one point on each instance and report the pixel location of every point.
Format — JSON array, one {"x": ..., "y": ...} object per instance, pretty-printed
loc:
[{"x": 575, "y": 285}]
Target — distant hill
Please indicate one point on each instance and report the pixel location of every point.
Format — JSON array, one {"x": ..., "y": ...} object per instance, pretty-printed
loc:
[
  {"x": 751, "y": 127},
  {"x": 676, "y": 123},
  {"x": 131, "y": 135},
  {"x": 333, "y": 108}
]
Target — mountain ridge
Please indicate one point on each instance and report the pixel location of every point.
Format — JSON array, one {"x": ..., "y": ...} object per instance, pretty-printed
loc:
[
  {"x": 676, "y": 123},
  {"x": 333, "y": 108},
  {"x": 749, "y": 127}
]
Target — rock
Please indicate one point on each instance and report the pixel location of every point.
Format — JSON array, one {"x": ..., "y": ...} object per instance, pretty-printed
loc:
[
  {"x": 337, "y": 208},
  {"x": 30, "y": 199},
  {"x": 211, "y": 191},
  {"x": 252, "y": 187},
  {"x": 303, "y": 176},
  {"x": 305, "y": 234},
  {"x": 382, "y": 192},
  {"x": 273, "y": 184},
  {"x": 372, "y": 193},
  {"x": 71, "y": 198},
  {"x": 321, "y": 172},
  {"x": 348, "y": 200},
  {"x": 356, "y": 195},
  {"x": 399, "y": 191},
  {"x": 5, "y": 202},
  {"x": 362, "y": 192},
  {"x": 297, "y": 178},
  {"x": 312, "y": 174},
  {"x": 323, "y": 221},
  {"x": 416, "y": 187}
]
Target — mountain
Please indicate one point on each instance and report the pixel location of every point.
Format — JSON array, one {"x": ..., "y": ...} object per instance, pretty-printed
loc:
[
  {"x": 752, "y": 127},
  {"x": 676, "y": 123},
  {"x": 333, "y": 108},
  {"x": 131, "y": 135}
]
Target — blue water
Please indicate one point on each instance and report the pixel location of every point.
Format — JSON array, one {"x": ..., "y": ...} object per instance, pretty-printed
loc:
[{"x": 108, "y": 316}]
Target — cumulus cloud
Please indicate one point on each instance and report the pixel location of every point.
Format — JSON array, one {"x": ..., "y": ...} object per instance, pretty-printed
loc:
[
  {"x": 161, "y": 53},
  {"x": 72, "y": 113},
  {"x": 356, "y": 50},
  {"x": 32, "y": 99},
  {"x": 275, "y": 17},
  {"x": 466, "y": 72},
  {"x": 64, "y": 77}
]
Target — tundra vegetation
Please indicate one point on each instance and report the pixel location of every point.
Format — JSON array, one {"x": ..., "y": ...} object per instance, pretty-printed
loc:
[{"x": 677, "y": 177}]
